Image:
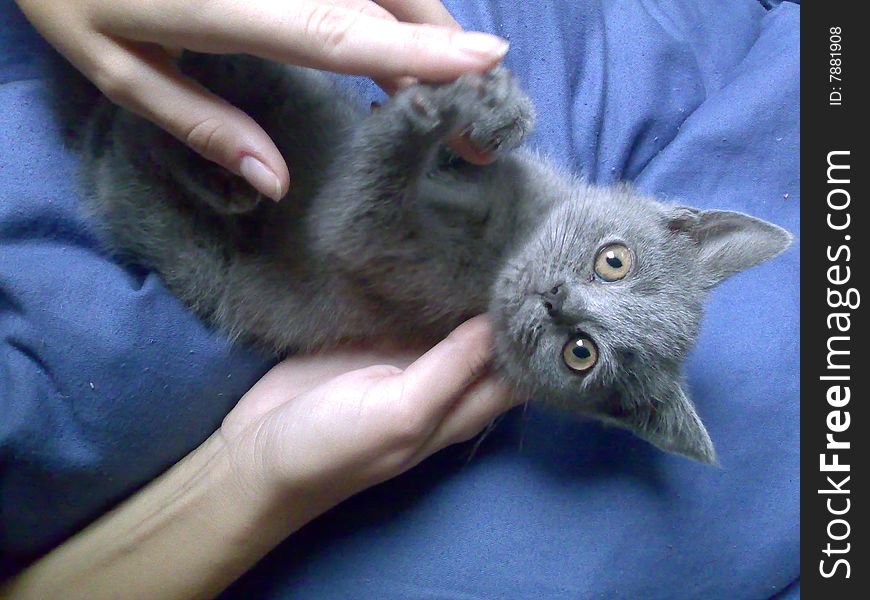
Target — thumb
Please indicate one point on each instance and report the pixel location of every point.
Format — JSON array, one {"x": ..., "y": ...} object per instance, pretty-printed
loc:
[{"x": 145, "y": 81}]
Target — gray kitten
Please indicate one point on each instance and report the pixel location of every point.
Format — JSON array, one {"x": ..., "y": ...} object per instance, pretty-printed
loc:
[{"x": 596, "y": 293}]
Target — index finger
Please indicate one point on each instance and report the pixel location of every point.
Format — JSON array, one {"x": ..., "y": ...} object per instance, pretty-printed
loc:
[{"x": 313, "y": 34}]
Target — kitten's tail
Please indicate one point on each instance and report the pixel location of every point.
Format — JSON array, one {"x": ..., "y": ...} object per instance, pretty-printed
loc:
[{"x": 73, "y": 99}]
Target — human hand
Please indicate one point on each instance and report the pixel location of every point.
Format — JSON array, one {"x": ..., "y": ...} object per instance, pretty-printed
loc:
[
  {"x": 312, "y": 432},
  {"x": 316, "y": 430},
  {"x": 125, "y": 47}
]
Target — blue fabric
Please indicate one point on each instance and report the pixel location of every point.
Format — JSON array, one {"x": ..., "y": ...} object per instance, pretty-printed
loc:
[{"x": 105, "y": 379}]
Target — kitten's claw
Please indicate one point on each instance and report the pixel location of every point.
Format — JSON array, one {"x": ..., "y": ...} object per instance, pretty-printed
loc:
[{"x": 494, "y": 144}]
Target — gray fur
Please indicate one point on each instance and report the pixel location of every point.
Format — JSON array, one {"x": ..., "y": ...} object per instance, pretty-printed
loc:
[{"x": 384, "y": 235}]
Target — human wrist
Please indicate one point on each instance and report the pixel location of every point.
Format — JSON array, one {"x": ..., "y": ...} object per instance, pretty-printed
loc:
[
  {"x": 247, "y": 507},
  {"x": 275, "y": 500},
  {"x": 190, "y": 533}
]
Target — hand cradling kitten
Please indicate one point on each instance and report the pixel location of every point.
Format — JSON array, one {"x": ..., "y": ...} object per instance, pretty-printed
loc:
[{"x": 596, "y": 293}]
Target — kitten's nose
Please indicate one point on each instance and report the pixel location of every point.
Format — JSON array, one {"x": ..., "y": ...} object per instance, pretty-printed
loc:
[{"x": 553, "y": 299}]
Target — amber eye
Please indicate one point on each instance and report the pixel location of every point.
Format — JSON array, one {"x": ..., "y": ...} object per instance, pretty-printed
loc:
[
  {"x": 613, "y": 262},
  {"x": 580, "y": 354}
]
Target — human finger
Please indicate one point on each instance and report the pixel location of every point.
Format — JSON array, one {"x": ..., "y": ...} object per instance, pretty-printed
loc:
[
  {"x": 314, "y": 34},
  {"x": 144, "y": 80}
]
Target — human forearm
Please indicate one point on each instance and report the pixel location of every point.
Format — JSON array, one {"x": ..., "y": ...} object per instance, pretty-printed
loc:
[
  {"x": 188, "y": 534},
  {"x": 313, "y": 431}
]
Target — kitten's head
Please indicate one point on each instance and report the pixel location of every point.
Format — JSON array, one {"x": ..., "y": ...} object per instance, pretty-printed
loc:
[{"x": 597, "y": 310}]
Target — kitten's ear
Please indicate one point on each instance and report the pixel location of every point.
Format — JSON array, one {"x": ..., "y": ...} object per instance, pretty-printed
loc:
[
  {"x": 669, "y": 422},
  {"x": 728, "y": 242}
]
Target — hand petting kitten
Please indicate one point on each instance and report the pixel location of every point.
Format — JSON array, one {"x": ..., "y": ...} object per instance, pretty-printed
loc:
[{"x": 126, "y": 47}]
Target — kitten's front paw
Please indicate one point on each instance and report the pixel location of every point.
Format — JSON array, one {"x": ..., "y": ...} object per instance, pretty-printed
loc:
[
  {"x": 492, "y": 111},
  {"x": 214, "y": 186},
  {"x": 419, "y": 107},
  {"x": 488, "y": 109}
]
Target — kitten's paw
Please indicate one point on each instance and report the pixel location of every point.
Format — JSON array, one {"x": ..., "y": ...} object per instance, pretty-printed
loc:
[
  {"x": 237, "y": 203},
  {"x": 492, "y": 111},
  {"x": 422, "y": 109},
  {"x": 223, "y": 191},
  {"x": 230, "y": 195},
  {"x": 488, "y": 109}
]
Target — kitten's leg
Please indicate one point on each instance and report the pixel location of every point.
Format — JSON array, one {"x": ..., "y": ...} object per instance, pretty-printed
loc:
[
  {"x": 367, "y": 221},
  {"x": 396, "y": 143}
]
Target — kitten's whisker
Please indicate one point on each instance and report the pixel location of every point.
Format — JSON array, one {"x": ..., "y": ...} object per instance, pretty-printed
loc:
[
  {"x": 523, "y": 422},
  {"x": 481, "y": 437}
]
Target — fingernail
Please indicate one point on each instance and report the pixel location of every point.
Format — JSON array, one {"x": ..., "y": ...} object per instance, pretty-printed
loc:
[
  {"x": 481, "y": 45},
  {"x": 261, "y": 177}
]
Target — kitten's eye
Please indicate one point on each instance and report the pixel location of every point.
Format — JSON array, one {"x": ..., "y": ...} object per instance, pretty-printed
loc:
[
  {"x": 580, "y": 354},
  {"x": 613, "y": 262}
]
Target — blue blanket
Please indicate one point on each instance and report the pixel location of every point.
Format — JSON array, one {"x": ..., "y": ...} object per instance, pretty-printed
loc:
[{"x": 106, "y": 379}]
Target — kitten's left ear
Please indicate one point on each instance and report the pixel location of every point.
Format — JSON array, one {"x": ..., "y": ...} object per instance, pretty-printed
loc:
[
  {"x": 728, "y": 242},
  {"x": 668, "y": 421}
]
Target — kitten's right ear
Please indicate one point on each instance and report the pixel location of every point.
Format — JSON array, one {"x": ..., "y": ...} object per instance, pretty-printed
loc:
[
  {"x": 728, "y": 242},
  {"x": 668, "y": 421}
]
